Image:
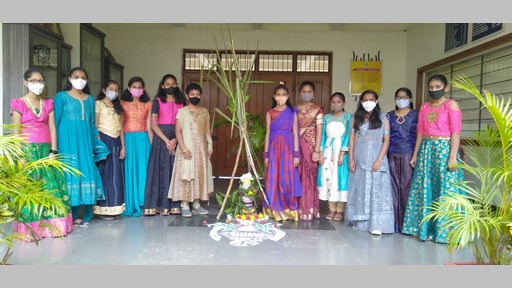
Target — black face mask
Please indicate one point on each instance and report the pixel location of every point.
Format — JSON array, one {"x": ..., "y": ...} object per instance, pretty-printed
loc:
[
  {"x": 194, "y": 100},
  {"x": 436, "y": 94},
  {"x": 172, "y": 90}
]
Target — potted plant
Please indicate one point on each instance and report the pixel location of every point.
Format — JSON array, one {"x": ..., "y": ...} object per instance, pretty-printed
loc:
[
  {"x": 19, "y": 191},
  {"x": 234, "y": 82},
  {"x": 482, "y": 217},
  {"x": 242, "y": 202}
]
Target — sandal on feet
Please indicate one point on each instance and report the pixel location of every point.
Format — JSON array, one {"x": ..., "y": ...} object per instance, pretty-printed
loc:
[
  {"x": 331, "y": 215},
  {"x": 79, "y": 222},
  {"x": 338, "y": 216}
]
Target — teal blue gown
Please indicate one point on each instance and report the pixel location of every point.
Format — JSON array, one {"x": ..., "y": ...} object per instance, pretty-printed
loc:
[{"x": 76, "y": 132}]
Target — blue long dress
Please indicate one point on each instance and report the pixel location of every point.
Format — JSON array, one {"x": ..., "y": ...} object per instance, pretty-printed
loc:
[
  {"x": 76, "y": 133},
  {"x": 370, "y": 200}
]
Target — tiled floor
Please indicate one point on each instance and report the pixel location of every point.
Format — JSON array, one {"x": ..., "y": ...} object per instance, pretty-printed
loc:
[{"x": 174, "y": 240}]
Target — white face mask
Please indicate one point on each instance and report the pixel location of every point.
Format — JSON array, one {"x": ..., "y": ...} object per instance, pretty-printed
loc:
[
  {"x": 403, "y": 103},
  {"x": 79, "y": 83},
  {"x": 111, "y": 95},
  {"x": 36, "y": 88},
  {"x": 369, "y": 105}
]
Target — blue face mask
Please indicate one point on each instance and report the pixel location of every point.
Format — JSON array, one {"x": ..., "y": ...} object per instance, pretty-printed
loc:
[
  {"x": 111, "y": 95},
  {"x": 403, "y": 103}
]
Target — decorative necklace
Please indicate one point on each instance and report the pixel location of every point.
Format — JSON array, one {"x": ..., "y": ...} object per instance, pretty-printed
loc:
[
  {"x": 108, "y": 105},
  {"x": 432, "y": 115},
  {"x": 400, "y": 119},
  {"x": 37, "y": 111}
]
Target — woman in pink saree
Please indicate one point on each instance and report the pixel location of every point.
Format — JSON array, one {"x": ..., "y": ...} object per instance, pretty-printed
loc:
[{"x": 310, "y": 119}]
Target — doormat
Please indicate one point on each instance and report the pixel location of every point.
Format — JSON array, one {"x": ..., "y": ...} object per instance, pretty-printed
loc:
[{"x": 246, "y": 233}]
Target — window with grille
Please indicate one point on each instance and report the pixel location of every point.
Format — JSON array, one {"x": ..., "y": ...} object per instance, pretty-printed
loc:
[
  {"x": 265, "y": 61},
  {"x": 245, "y": 61},
  {"x": 196, "y": 61},
  {"x": 491, "y": 71},
  {"x": 313, "y": 63},
  {"x": 276, "y": 62}
]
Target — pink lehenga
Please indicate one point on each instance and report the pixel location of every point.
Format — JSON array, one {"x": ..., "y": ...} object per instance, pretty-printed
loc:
[{"x": 309, "y": 118}]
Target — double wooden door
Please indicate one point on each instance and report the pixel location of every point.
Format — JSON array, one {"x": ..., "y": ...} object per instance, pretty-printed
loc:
[{"x": 223, "y": 161}]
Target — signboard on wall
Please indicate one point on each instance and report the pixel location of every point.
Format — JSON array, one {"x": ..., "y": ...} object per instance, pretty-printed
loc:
[
  {"x": 481, "y": 30},
  {"x": 455, "y": 35},
  {"x": 365, "y": 75}
]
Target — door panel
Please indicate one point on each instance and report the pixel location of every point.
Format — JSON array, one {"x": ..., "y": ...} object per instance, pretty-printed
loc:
[{"x": 260, "y": 101}]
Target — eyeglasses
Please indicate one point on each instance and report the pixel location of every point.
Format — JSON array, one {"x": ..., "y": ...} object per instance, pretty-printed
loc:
[
  {"x": 35, "y": 81},
  {"x": 405, "y": 97}
]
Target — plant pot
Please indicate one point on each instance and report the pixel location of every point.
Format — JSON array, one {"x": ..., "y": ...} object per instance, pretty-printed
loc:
[{"x": 248, "y": 202}]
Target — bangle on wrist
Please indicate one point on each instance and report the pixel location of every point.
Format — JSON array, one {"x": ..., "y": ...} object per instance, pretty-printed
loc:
[
  {"x": 265, "y": 155},
  {"x": 53, "y": 151},
  {"x": 296, "y": 154}
]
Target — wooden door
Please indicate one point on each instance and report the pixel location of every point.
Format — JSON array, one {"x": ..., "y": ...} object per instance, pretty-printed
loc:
[
  {"x": 260, "y": 101},
  {"x": 322, "y": 83}
]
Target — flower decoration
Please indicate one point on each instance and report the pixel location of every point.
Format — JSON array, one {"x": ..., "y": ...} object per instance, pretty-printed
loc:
[
  {"x": 248, "y": 186},
  {"x": 243, "y": 201}
]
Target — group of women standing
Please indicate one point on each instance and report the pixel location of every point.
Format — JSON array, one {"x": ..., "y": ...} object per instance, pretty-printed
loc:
[
  {"x": 378, "y": 171},
  {"x": 123, "y": 168}
]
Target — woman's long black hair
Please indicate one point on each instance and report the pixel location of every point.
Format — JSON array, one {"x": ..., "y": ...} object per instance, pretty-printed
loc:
[
  {"x": 116, "y": 102},
  {"x": 68, "y": 85},
  {"x": 127, "y": 96},
  {"x": 178, "y": 96},
  {"x": 374, "y": 119}
]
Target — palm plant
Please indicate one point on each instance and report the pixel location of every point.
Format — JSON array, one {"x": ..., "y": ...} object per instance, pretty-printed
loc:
[
  {"x": 234, "y": 81},
  {"x": 481, "y": 218},
  {"x": 20, "y": 192}
]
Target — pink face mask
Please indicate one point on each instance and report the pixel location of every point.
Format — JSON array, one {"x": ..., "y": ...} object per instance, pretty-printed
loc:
[{"x": 136, "y": 92}]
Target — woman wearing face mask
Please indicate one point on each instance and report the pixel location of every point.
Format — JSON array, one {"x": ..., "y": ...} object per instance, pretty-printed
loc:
[
  {"x": 167, "y": 102},
  {"x": 36, "y": 114},
  {"x": 281, "y": 155},
  {"x": 109, "y": 121},
  {"x": 75, "y": 119},
  {"x": 402, "y": 121},
  {"x": 137, "y": 137},
  {"x": 192, "y": 180},
  {"x": 370, "y": 200},
  {"x": 310, "y": 118},
  {"x": 333, "y": 169},
  {"x": 435, "y": 160}
]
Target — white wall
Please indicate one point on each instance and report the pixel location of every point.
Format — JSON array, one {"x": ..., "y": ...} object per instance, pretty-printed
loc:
[
  {"x": 71, "y": 33},
  {"x": 152, "y": 51}
]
